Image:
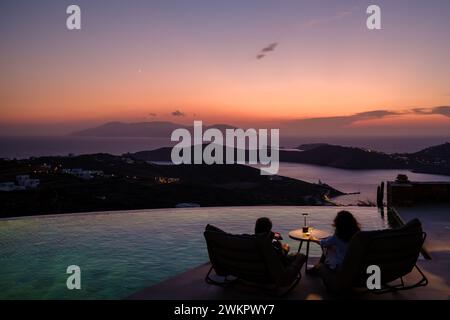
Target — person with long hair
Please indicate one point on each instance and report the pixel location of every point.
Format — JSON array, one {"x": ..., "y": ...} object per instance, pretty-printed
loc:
[{"x": 335, "y": 247}]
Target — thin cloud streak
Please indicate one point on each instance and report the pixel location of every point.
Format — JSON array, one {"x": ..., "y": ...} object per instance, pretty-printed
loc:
[
  {"x": 346, "y": 124},
  {"x": 178, "y": 113},
  {"x": 264, "y": 51},
  {"x": 336, "y": 17},
  {"x": 441, "y": 110}
]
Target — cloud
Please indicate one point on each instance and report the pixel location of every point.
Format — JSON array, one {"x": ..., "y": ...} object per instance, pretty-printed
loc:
[
  {"x": 270, "y": 47},
  {"x": 336, "y": 17},
  {"x": 374, "y": 114},
  {"x": 178, "y": 113},
  {"x": 152, "y": 114},
  {"x": 339, "y": 121},
  {"x": 441, "y": 110},
  {"x": 370, "y": 115},
  {"x": 264, "y": 51},
  {"x": 420, "y": 111},
  {"x": 345, "y": 124}
]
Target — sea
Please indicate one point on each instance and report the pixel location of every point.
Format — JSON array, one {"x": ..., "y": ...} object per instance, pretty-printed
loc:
[
  {"x": 360, "y": 184},
  {"x": 25, "y": 147}
]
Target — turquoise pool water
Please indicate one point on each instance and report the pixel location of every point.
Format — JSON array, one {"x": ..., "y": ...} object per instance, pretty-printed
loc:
[{"x": 122, "y": 252}]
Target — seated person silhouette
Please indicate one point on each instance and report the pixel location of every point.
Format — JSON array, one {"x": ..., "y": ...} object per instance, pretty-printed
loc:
[
  {"x": 263, "y": 226},
  {"x": 335, "y": 247}
]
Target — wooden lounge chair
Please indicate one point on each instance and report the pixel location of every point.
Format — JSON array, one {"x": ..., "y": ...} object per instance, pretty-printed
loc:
[
  {"x": 252, "y": 259},
  {"x": 395, "y": 251}
]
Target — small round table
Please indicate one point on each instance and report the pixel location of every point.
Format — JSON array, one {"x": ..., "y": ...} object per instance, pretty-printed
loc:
[{"x": 313, "y": 234}]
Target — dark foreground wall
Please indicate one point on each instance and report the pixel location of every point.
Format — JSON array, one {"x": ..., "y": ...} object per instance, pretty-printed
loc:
[{"x": 412, "y": 193}]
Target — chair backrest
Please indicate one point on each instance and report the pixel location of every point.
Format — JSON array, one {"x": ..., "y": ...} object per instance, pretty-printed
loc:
[
  {"x": 248, "y": 257},
  {"x": 395, "y": 251}
]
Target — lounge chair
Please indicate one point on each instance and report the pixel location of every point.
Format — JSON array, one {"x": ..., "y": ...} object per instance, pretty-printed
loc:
[
  {"x": 252, "y": 259},
  {"x": 395, "y": 251}
]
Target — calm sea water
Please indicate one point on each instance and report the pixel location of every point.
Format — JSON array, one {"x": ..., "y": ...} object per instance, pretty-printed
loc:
[
  {"x": 122, "y": 252},
  {"x": 363, "y": 181},
  {"x": 24, "y": 147}
]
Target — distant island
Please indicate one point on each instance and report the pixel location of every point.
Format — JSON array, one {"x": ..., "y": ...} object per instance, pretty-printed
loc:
[
  {"x": 103, "y": 182},
  {"x": 154, "y": 129},
  {"x": 433, "y": 160}
]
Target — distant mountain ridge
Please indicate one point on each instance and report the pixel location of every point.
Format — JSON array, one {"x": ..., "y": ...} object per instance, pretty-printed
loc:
[
  {"x": 323, "y": 155},
  {"x": 310, "y": 146},
  {"x": 343, "y": 157},
  {"x": 441, "y": 151},
  {"x": 434, "y": 159},
  {"x": 155, "y": 129}
]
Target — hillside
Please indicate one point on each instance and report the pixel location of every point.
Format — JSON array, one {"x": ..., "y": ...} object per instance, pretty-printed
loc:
[
  {"x": 122, "y": 183},
  {"x": 435, "y": 160},
  {"x": 343, "y": 157},
  {"x": 321, "y": 154}
]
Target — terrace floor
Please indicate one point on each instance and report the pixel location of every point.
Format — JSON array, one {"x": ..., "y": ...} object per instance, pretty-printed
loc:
[
  {"x": 436, "y": 222},
  {"x": 192, "y": 286}
]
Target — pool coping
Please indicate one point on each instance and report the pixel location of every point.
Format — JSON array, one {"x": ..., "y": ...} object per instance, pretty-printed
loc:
[{"x": 55, "y": 215}]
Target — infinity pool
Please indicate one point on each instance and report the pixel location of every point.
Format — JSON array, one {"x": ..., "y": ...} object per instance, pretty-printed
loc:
[{"x": 122, "y": 252}]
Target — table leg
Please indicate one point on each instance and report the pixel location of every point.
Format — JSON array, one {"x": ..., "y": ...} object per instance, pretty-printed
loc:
[
  {"x": 299, "y": 246},
  {"x": 307, "y": 256}
]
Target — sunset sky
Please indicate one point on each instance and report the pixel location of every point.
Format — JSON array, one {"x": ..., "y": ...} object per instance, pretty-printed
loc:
[{"x": 179, "y": 60}]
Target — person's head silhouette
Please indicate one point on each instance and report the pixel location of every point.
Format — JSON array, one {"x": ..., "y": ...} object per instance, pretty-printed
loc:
[
  {"x": 345, "y": 225},
  {"x": 263, "y": 225}
]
